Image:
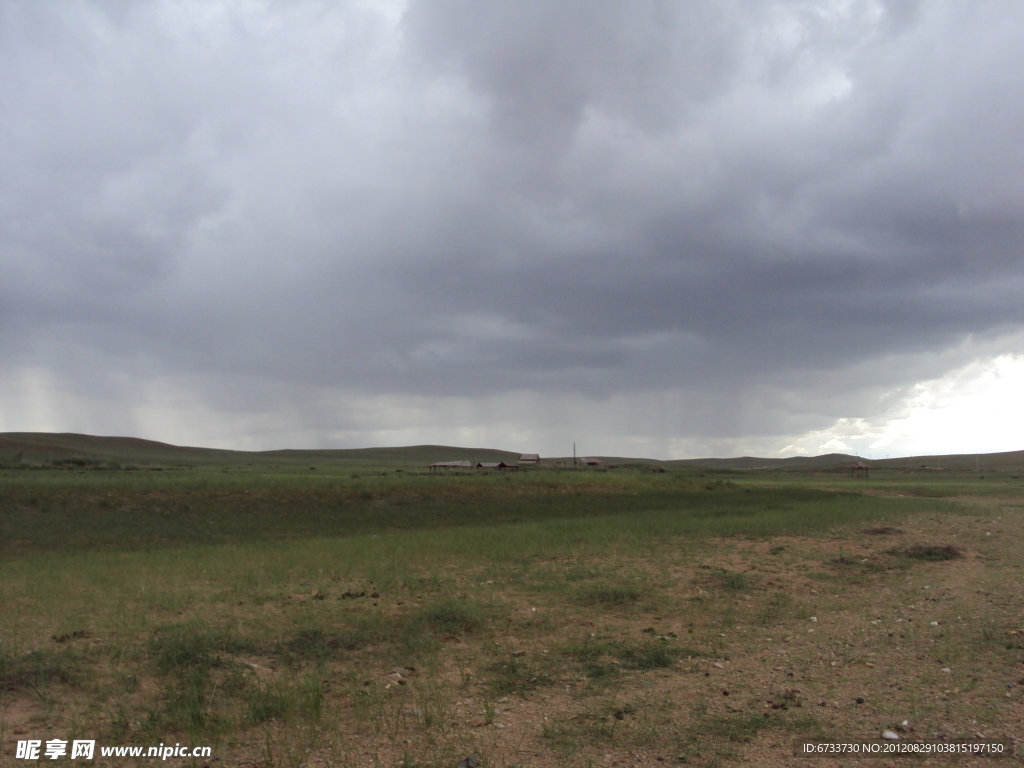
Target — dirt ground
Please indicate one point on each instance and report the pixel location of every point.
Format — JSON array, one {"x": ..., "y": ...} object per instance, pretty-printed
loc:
[
  {"x": 933, "y": 651},
  {"x": 833, "y": 638}
]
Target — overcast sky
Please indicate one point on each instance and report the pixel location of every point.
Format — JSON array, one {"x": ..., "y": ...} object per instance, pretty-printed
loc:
[{"x": 660, "y": 228}]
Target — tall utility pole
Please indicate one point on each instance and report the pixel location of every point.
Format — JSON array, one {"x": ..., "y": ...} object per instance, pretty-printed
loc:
[{"x": 574, "y": 453}]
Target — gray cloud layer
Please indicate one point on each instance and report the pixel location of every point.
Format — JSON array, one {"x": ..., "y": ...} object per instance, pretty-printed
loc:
[{"x": 462, "y": 199}]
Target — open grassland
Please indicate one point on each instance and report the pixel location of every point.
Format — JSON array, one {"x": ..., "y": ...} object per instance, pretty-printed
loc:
[
  {"x": 894, "y": 482},
  {"x": 72, "y": 511},
  {"x": 355, "y": 616}
]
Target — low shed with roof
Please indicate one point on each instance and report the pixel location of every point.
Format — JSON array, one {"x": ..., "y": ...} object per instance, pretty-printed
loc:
[{"x": 440, "y": 466}]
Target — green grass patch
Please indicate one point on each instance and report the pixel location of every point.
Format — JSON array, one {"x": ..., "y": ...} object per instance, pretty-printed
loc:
[
  {"x": 206, "y": 689},
  {"x": 929, "y": 553},
  {"x": 733, "y": 581},
  {"x": 177, "y": 647},
  {"x": 302, "y": 701},
  {"x": 412, "y": 632},
  {"x": 316, "y": 645},
  {"x": 774, "y": 609},
  {"x": 517, "y": 675},
  {"x": 610, "y": 595},
  {"x": 36, "y": 670},
  {"x": 449, "y": 616}
]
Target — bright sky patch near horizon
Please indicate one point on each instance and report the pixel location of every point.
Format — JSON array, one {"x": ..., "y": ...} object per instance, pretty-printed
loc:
[{"x": 655, "y": 228}]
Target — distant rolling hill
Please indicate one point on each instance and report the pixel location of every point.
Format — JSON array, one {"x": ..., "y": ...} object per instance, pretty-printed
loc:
[
  {"x": 825, "y": 461},
  {"x": 36, "y": 447},
  {"x": 1007, "y": 461},
  {"x": 42, "y": 447}
]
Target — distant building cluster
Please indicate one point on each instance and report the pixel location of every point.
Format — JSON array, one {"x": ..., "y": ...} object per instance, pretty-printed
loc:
[
  {"x": 525, "y": 459},
  {"x": 451, "y": 465},
  {"x": 441, "y": 466}
]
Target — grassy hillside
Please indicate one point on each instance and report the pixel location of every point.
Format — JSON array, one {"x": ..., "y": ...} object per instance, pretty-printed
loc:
[
  {"x": 32, "y": 447},
  {"x": 827, "y": 461},
  {"x": 39, "y": 448},
  {"x": 42, "y": 448},
  {"x": 1009, "y": 461}
]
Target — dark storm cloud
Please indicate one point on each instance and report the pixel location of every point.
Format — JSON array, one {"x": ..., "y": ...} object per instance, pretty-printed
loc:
[
  {"x": 542, "y": 65},
  {"x": 455, "y": 199}
]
